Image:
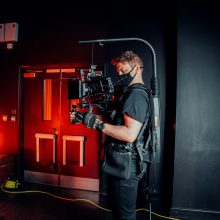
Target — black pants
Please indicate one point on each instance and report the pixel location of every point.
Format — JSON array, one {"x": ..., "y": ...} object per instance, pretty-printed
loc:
[{"x": 122, "y": 194}]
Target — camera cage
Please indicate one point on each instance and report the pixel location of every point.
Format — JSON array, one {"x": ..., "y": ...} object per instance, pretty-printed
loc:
[{"x": 91, "y": 88}]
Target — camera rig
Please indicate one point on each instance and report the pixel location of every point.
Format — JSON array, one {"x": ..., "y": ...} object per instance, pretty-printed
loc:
[
  {"x": 91, "y": 88},
  {"x": 155, "y": 107}
]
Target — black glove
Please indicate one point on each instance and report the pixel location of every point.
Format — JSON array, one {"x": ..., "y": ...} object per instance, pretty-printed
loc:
[{"x": 91, "y": 121}]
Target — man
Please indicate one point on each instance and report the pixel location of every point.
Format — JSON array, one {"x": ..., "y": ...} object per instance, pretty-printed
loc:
[{"x": 127, "y": 120}]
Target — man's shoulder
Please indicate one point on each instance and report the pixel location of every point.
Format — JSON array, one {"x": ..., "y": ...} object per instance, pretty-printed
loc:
[
  {"x": 139, "y": 91},
  {"x": 139, "y": 87}
]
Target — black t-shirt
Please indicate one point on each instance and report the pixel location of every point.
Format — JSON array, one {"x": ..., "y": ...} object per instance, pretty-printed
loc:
[{"x": 134, "y": 102}]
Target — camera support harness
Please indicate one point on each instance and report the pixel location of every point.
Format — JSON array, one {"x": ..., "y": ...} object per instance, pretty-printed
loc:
[
  {"x": 155, "y": 111},
  {"x": 154, "y": 139}
]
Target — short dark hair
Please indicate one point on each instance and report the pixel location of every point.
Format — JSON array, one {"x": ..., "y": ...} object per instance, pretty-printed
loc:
[{"x": 130, "y": 57}]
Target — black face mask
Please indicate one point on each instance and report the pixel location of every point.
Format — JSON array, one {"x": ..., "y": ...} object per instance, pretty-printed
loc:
[{"x": 126, "y": 79}]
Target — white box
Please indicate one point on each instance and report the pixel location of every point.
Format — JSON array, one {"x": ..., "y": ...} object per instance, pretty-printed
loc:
[
  {"x": 2, "y": 33},
  {"x": 11, "y": 32}
]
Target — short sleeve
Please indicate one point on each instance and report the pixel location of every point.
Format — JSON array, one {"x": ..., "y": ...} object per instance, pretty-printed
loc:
[{"x": 137, "y": 105}]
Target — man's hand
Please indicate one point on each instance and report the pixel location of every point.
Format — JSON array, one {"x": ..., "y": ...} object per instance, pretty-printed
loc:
[{"x": 91, "y": 121}]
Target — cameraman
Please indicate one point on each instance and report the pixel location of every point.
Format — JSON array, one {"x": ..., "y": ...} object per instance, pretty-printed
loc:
[{"x": 127, "y": 120}]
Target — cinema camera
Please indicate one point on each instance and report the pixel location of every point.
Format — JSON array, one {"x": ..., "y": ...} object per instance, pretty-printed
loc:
[{"x": 91, "y": 89}]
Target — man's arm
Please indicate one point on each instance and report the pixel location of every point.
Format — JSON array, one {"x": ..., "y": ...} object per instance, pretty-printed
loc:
[{"x": 127, "y": 132}]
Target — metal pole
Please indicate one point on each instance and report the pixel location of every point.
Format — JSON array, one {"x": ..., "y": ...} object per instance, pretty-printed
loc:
[{"x": 126, "y": 39}]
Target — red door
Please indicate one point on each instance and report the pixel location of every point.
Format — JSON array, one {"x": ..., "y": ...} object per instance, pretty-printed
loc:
[{"x": 56, "y": 151}]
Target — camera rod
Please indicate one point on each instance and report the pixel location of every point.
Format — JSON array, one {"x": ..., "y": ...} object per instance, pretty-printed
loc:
[
  {"x": 126, "y": 39},
  {"x": 154, "y": 87}
]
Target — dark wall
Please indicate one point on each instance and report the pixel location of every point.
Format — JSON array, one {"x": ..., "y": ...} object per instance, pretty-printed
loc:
[{"x": 197, "y": 151}]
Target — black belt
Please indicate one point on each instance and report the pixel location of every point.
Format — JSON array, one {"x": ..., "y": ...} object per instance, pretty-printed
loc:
[{"x": 123, "y": 148}]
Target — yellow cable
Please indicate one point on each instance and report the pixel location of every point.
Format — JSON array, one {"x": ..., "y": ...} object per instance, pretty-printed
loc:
[
  {"x": 154, "y": 213},
  {"x": 75, "y": 200},
  {"x": 58, "y": 197}
]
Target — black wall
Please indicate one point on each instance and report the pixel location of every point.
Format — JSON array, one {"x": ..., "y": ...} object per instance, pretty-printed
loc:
[{"x": 197, "y": 149}]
